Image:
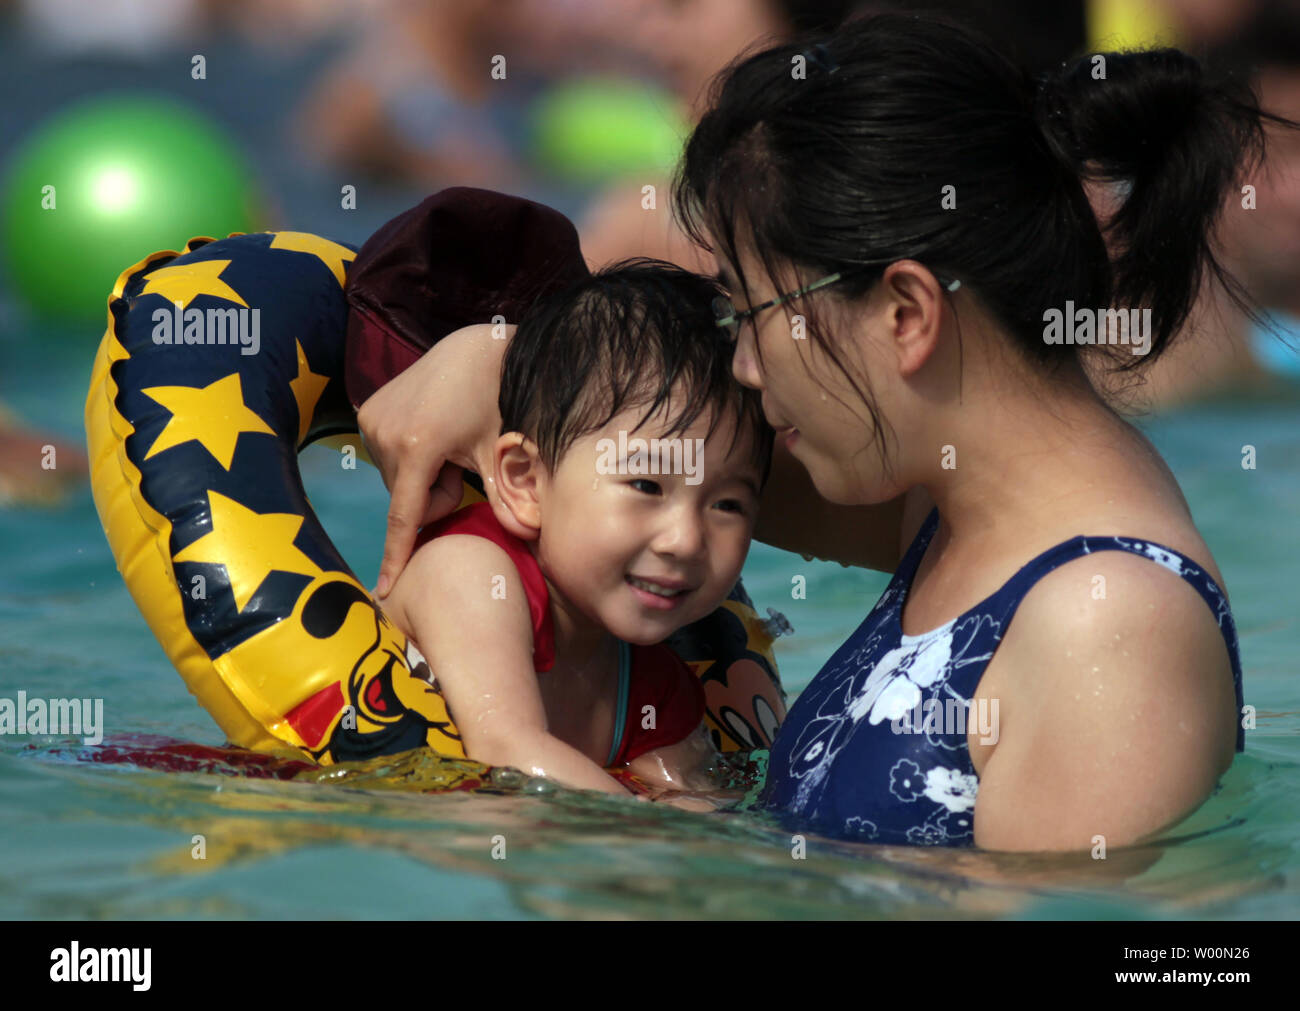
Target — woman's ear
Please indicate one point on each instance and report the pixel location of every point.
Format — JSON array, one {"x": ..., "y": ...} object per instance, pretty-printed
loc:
[
  {"x": 914, "y": 313},
  {"x": 513, "y": 488}
]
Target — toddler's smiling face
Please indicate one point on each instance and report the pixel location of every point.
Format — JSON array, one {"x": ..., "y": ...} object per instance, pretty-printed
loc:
[{"x": 641, "y": 553}]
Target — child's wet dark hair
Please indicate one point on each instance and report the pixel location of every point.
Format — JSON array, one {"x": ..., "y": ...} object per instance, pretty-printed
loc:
[{"x": 629, "y": 336}]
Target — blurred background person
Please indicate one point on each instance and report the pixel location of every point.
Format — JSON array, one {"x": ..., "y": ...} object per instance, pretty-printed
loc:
[
  {"x": 121, "y": 28},
  {"x": 1225, "y": 353},
  {"x": 437, "y": 93},
  {"x": 287, "y": 27},
  {"x": 414, "y": 98},
  {"x": 688, "y": 42}
]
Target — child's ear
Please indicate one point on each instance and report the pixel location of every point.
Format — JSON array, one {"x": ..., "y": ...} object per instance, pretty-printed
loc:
[{"x": 513, "y": 488}]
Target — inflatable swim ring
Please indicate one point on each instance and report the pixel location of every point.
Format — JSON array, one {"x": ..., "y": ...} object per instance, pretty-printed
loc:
[{"x": 219, "y": 364}]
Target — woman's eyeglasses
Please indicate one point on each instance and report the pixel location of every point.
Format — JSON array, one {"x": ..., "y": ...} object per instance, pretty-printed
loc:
[{"x": 729, "y": 320}]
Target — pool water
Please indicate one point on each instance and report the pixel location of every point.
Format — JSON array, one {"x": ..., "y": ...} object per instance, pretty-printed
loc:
[{"x": 84, "y": 840}]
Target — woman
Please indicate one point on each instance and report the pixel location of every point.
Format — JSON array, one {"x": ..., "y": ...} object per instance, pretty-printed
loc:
[{"x": 918, "y": 206}]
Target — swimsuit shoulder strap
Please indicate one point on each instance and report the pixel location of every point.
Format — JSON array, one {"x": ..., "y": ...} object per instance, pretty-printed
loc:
[
  {"x": 620, "y": 708},
  {"x": 1003, "y": 604}
]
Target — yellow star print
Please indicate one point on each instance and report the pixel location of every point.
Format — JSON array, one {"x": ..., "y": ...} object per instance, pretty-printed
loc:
[
  {"x": 215, "y": 415},
  {"x": 250, "y": 545},
  {"x": 183, "y": 282},
  {"x": 307, "y": 389},
  {"x": 331, "y": 253}
]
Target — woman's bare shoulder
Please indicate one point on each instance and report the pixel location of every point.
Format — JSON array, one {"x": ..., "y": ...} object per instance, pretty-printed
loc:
[{"x": 1118, "y": 710}]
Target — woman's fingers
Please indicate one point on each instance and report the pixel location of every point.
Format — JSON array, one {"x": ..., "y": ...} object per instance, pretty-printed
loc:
[
  {"x": 446, "y": 493},
  {"x": 411, "y": 501},
  {"x": 380, "y": 421},
  {"x": 410, "y": 509},
  {"x": 438, "y": 410}
]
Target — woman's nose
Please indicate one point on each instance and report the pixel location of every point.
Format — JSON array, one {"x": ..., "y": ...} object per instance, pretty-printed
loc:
[{"x": 744, "y": 361}]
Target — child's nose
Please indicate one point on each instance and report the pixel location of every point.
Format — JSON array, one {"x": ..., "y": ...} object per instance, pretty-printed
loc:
[{"x": 682, "y": 534}]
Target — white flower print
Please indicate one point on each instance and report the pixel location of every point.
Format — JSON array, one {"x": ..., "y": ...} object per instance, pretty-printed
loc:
[
  {"x": 863, "y": 828},
  {"x": 897, "y": 677},
  {"x": 926, "y": 835},
  {"x": 892, "y": 687},
  {"x": 952, "y": 788},
  {"x": 862, "y": 699},
  {"x": 898, "y": 698},
  {"x": 957, "y": 825},
  {"x": 1157, "y": 554},
  {"x": 813, "y": 754},
  {"x": 905, "y": 780},
  {"x": 1166, "y": 558},
  {"x": 885, "y": 671},
  {"x": 932, "y": 658}
]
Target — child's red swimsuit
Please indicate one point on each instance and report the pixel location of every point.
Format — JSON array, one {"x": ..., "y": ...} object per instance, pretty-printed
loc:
[{"x": 647, "y": 675}]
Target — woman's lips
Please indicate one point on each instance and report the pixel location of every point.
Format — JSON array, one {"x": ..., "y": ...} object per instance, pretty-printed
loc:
[{"x": 784, "y": 432}]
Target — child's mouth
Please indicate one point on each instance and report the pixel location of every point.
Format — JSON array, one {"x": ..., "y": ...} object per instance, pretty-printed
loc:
[{"x": 656, "y": 595}]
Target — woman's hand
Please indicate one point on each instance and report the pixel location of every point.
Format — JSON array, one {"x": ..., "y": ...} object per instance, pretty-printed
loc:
[
  {"x": 686, "y": 765},
  {"x": 423, "y": 427},
  {"x": 695, "y": 803}
]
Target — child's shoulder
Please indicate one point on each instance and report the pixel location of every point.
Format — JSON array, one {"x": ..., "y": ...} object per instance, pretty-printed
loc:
[
  {"x": 469, "y": 539},
  {"x": 458, "y": 544},
  {"x": 468, "y": 571},
  {"x": 451, "y": 559},
  {"x": 443, "y": 575}
]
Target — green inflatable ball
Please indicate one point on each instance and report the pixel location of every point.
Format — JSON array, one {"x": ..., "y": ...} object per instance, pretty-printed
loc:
[
  {"x": 596, "y": 130},
  {"x": 105, "y": 183}
]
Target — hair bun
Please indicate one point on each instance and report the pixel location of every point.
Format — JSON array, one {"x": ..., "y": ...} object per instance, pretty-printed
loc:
[{"x": 1174, "y": 139}]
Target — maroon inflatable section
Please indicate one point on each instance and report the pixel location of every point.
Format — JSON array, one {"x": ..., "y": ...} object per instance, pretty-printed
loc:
[{"x": 462, "y": 256}]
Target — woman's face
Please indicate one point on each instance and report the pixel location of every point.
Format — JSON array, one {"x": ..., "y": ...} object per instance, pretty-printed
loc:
[{"x": 809, "y": 401}]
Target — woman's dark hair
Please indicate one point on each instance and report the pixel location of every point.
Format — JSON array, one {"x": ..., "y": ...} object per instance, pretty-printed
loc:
[
  {"x": 846, "y": 168},
  {"x": 626, "y": 337}
]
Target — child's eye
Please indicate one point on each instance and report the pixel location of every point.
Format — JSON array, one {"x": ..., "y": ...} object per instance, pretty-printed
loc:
[
  {"x": 732, "y": 505},
  {"x": 651, "y": 487}
]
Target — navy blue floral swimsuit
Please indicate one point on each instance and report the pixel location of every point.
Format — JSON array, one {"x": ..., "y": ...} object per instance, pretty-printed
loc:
[{"x": 840, "y": 765}]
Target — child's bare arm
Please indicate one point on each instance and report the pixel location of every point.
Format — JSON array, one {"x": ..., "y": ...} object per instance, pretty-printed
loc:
[
  {"x": 540, "y": 754},
  {"x": 479, "y": 646}
]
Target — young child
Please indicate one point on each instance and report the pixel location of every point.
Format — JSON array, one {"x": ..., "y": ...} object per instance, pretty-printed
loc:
[{"x": 622, "y": 495}]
